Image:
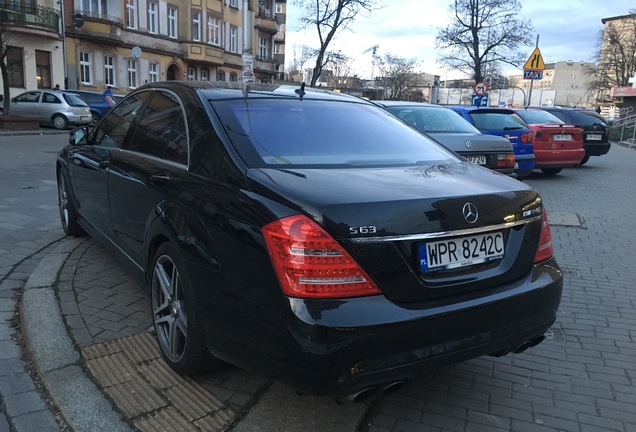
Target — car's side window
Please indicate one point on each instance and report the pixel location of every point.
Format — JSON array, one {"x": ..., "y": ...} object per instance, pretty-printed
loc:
[
  {"x": 29, "y": 97},
  {"x": 162, "y": 130},
  {"x": 113, "y": 128},
  {"x": 559, "y": 115},
  {"x": 50, "y": 98}
]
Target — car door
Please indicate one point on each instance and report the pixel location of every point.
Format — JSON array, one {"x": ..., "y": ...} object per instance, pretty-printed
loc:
[
  {"x": 146, "y": 173},
  {"x": 49, "y": 105},
  {"x": 89, "y": 163},
  {"x": 26, "y": 104}
]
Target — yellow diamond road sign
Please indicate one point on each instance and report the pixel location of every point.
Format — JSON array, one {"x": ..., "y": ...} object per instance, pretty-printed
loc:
[{"x": 535, "y": 62}]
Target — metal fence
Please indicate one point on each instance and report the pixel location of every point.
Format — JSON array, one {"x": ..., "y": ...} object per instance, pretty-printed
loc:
[{"x": 28, "y": 16}]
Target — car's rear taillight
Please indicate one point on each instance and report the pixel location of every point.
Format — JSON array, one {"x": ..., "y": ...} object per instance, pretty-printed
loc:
[
  {"x": 309, "y": 263},
  {"x": 506, "y": 160},
  {"x": 527, "y": 137},
  {"x": 545, "y": 249},
  {"x": 110, "y": 101}
]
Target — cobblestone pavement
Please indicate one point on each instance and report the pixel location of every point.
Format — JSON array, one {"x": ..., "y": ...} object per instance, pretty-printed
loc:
[{"x": 581, "y": 379}]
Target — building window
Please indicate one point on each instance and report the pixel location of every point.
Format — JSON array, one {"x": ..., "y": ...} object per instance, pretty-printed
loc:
[
  {"x": 15, "y": 66},
  {"x": 220, "y": 76},
  {"x": 196, "y": 26},
  {"x": 233, "y": 77},
  {"x": 278, "y": 48},
  {"x": 95, "y": 7},
  {"x": 152, "y": 17},
  {"x": 233, "y": 39},
  {"x": 192, "y": 74},
  {"x": 43, "y": 68},
  {"x": 172, "y": 22},
  {"x": 132, "y": 73},
  {"x": 85, "y": 67},
  {"x": 263, "y": 47},
  {"x": 214, "y": 30},
  {"x": 153, "y": 72},
  {"x": 234, "y": 3},
  {"x": 109, "y": 70},
  {"x": 131, "y": 14},
  {"x": 279, "y": 7}
]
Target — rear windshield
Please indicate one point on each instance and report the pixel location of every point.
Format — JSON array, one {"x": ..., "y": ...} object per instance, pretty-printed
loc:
[
  {"x": 430, "y": 119},
  {"x": 73, "y": 100},
  {"x": 587, "y": 118},
  {"x": 496, "y": 121},
  {"x": 290, "y": 132},
  {"x": 533, "y": 116}
]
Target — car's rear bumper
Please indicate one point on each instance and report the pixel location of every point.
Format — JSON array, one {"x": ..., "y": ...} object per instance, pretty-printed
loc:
[
  {"x": 340, "y": 347},
  {"x": 558, "y": 158},
  {"x": 524, "y": 164},
  {"x": 596, "y": 148}
]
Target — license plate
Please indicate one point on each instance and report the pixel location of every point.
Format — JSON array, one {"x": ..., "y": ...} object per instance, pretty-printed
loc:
[
  {"x": 477, "y": 159},
  {"x": 461, "y": 252},
  {"x": 595, "y": 137},
  {"x": 85, "y": 117},
  {"x": 562, "y": 137}
]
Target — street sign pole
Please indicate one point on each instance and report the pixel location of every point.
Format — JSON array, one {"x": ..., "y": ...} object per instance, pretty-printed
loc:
[{"x": 532, "y": 81}]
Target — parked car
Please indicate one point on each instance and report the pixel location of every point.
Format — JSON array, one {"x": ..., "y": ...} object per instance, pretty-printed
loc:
[
  {"x": 556, "y": 145},
  {"x": 504, "y": 122},
  {"x": 455, "y": 133},
  {"x": 276, "y": 230},
  {"x": 1, "y": 103},
  {"x": 595, "y": 128},
  {"x": 52, "y": 107},
  {"x": 99, "y": 103}
]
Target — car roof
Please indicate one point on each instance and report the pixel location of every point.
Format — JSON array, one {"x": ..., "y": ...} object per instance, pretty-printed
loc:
[
  {"x": 83, "y": 91},
  {"x": 215, "y": 90},
  {"x": 470, "y": 108},
  {"x": 388, "y": 103}
]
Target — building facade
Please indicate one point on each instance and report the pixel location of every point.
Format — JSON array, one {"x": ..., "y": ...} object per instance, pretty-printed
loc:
[
  {"x": 31, "y": 34},
  {"x": 123, "y": 44}
]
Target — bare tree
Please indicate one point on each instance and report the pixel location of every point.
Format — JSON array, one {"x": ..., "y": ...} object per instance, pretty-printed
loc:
[
  {"x": 399, "y": 76},
  {"x": 616, "y": 57},
  {"x": 483, "y": 34},
  {"x": 4, "y": 49},
  {"x": 330, "y": 17}
]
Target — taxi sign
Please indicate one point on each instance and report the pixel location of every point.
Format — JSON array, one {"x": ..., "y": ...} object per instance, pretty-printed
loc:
[{"x": 535, "y": 61}]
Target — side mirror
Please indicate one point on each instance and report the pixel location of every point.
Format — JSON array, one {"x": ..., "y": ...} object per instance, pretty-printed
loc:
[
  {"x": 13, "y": 100},
  {"x": 78, "y": 136}
]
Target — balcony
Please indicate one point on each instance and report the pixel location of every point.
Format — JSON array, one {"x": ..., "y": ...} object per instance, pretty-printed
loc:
[
  {"x": 38, "y": 17},
  {"x": 101, "y": 17},
  {"x": 265, "y": 21}
]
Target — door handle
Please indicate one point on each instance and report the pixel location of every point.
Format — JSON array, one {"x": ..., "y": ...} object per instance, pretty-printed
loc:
[{"x": 160, "y": 178}]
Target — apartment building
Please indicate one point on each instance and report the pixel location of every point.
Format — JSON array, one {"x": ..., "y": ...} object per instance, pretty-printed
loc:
[
  {"x": 31, "y": 34},
  {"x": 127, "y": 44}
]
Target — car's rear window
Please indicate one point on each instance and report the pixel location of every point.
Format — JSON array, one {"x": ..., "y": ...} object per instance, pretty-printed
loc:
[
  {"x": 496, "y": 121},
  {"x": 587, "y": 118},
  {"x": 534, "y": 116},
  {"x": 431, "y": 119},
  {"x": 292, "y": 132},
  {"x": 73, "y": 100}
]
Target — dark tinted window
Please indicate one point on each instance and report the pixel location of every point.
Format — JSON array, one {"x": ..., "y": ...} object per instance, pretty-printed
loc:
[
  {"x": 91, "y": 98},
  {"x": 587, "y": 118},
  {"x": 162, "y": 129},
  {"x": 73, "y": 100},
  {"x": 113, "y": 128},
  {"x": 496, "y": 121},
  {"x": 309, "y": 132},
  {"x": 559, "y": 115},
  {"x": 50, "y": 98}
]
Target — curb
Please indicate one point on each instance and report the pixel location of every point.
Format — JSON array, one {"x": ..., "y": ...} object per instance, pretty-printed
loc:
[
  {"x": 17, "y": 132},
  {"x": 56, "y": 360}
]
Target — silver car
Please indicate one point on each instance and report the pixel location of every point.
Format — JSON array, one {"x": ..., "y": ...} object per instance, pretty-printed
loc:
[{"x": 52, "y": 107}]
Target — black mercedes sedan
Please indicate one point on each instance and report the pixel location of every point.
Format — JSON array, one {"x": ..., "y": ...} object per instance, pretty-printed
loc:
[{"x": 310, "y": 236}]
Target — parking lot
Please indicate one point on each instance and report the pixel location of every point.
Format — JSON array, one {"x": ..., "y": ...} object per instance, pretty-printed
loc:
[{"x": 580, "y": 379}]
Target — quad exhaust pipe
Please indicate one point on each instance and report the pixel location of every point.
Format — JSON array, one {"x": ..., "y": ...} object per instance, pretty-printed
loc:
[{"x": 370, "y": 392}]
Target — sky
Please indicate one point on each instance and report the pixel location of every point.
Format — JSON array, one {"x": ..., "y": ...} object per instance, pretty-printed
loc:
[{"x": 567, "y": 30}]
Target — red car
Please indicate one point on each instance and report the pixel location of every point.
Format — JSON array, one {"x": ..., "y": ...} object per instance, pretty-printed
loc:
[{"x": 556, "y": 145}]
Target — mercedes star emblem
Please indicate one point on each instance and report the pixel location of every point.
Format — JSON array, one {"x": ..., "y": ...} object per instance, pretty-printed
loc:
[{"x": 470, "y": 213}]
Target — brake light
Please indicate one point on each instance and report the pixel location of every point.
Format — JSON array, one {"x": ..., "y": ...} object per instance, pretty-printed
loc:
[
  {"x": 527, "y": 137},
  {"x": 506, "y": 160},
  {"x": 309, "y": 263},
  {"x": 545, "y": 249}
]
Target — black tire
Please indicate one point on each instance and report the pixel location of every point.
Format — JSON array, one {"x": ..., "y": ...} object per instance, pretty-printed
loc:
[
  {"x": 94, "y": 119},
  {"x": 68, "y": 213},
  {"x": 59, "y": 121},
  {"x": 175, "y": 314},
  {"x": 551, "y": 171},
  {"x": 585, "y": 159}
]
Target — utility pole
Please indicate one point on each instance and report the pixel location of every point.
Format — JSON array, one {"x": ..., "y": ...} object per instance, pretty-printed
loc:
[
  {"x": 248, "y": 54},
  {"x": 532, "y": 81}
]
